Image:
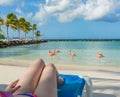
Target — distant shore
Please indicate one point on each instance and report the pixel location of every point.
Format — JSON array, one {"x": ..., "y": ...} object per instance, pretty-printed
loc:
[{"x": 83, "y": 40}]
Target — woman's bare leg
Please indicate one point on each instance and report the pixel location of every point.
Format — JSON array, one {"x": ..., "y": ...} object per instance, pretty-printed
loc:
[
  {"x": 60, "y": 80},
  {"x": 29, "y": 80},
  {"x": 47, "y": 86}
]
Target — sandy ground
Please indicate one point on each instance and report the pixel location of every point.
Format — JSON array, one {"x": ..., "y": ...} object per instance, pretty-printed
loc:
[{"x": 106, "y": 81}]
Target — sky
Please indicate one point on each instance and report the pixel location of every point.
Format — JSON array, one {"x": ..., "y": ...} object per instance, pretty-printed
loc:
[{"x": 67, "y": 19}]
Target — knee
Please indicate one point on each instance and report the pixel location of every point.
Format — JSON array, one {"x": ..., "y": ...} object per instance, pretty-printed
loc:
[
  {"x": 39, "y": 62},
  {"x": 51, "y": 67}
]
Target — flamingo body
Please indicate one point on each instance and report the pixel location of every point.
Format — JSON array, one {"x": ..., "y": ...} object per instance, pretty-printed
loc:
[
  {"x": 51, "y": 53},
  {"x": 99, "y": 55},
  {"x": 72, "y": 54},
  {"x": 56, "y": 51}
]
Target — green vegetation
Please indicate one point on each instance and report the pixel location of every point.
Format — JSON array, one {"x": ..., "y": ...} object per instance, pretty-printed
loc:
[
  {"x": 19, "y": 25},
  {"x": 2, "y": 43},
  {"x": 1, "y": 23},
  {"x": 2, "y": 36},
  {"x": 37, "y": 33},
  {"x": 34, "y": 28}
]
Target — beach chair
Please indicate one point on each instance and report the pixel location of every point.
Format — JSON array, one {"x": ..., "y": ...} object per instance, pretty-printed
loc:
[
  {"x": 88, "y": 88},
  {"x": 75, "y": 86}
]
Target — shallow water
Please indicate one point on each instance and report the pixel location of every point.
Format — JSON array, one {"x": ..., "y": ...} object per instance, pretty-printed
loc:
[{"x": 85, "y": 51}]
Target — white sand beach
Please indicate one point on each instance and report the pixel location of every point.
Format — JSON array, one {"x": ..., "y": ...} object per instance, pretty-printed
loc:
[{"x": 106, "y": 81}]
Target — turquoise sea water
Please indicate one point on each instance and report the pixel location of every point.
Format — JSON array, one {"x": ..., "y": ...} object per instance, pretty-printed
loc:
[{"x": 85, "y": 51}]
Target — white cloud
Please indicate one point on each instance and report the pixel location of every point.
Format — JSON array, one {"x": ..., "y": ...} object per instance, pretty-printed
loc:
[
  {"x": 29, "y": 15},
  {"x": 69, "y": 10},
  {"x": 97, "y": 9},
  {"x": 57, "y": 6},
  {"x": 6, "y": 2},
  {"x": 41, "y": 16},
  {"x": 19, "y": 11}
]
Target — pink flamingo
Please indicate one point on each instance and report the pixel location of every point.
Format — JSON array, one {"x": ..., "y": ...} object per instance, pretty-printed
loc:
[
  {"x": 72, "y": 54},
  {"x": 51, "y": 53},
  {"x": 99, "y": 55},
  {"x": 56, "y": 51}
]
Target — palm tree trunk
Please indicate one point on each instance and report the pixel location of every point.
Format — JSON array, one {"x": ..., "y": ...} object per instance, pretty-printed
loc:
[
  {"x": 36, "y": 37},
  {"x": 7, "y": 34},
  {"x": 33, "y": 35},
  {"x": 0, "y": 29},
  {"x": 25, "y": 36},
  {"x": 19, "y": 34}
]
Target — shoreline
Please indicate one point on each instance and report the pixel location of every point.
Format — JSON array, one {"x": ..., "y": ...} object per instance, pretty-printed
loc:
[{"x": 63, "y": 66}]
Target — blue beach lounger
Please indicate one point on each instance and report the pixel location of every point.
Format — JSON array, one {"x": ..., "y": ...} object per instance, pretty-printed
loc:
[{"x": 72, "y": 87}]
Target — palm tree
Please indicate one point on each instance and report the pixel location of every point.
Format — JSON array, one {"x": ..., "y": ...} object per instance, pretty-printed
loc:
[
  {"x": 10, "y": 21},
  {"x": 37, "y": 34},
  {"x": 34, "y": 27},
  {"x": 1, "y": 23},
  {"x": 18, "y": 25},
  {"x": 26, "y": 28}
]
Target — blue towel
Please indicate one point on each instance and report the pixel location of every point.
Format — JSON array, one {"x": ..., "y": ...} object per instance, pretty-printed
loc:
[{"x": 72, "y": 87}]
